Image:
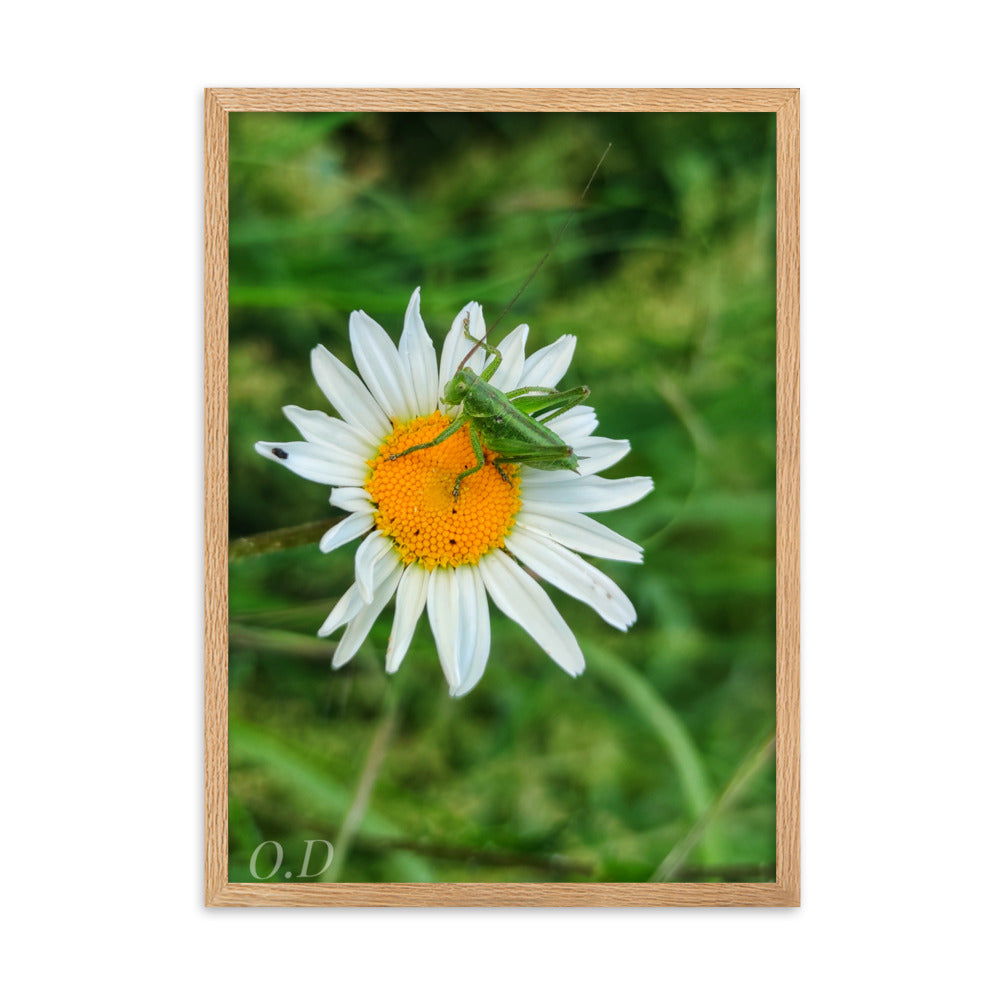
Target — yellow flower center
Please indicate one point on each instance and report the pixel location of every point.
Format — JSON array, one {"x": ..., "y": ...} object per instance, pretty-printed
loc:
[{"x": 415, "y": 500}]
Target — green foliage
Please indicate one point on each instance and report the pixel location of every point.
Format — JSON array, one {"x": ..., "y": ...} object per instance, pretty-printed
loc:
[{"x": 667, "y": 277}]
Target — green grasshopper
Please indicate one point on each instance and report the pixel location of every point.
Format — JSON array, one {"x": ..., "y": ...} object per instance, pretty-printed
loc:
[{"x": 511, "y": 424}]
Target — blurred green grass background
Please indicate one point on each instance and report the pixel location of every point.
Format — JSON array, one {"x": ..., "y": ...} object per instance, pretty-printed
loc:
[{"x": 655, "y": 762}]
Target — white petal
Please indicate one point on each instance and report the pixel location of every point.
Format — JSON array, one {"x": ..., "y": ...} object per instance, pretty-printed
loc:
[
  {"x": 371, "y": 552},
  {"x": 343, "y": 611},
  {"x": 521, "y": 599},
  {"x": 320, "y": 428},
  {"x": 348, "y": 395},
  {"x": 417, "y": 351},
  {"x": 511, "y": 349},
  {"x": 381, "y": 367},
  {"x": 581, "y": 533},
  {"x": 477, "y": 622},
  {"x": 347, "y": 530},
  {"x": 360, "y": 626},
  {"x": 351, "y": 498},
  {"x": 315, "y": 462},
  {"x": 547, "y": 366},
  {"x": 594, "y": 455},
  {"x": 442, "y": 613},
  {"x": 573, "y": 576},
  {"x": 410, "y": 600},
  {"x": 457, "y": 345},
  {"x": 352, "y": 603},
  {"x": 597, "y": 454},
  {"x": 574, "y": 425},
  {"x": 591, "y": 493},
  {"x": 467, "y": 622}
]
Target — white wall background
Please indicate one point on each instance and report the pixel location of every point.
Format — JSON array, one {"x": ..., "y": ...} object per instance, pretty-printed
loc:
[{"x": 101, "y": 398}]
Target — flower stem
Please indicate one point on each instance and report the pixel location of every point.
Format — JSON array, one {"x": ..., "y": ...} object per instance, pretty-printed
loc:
[
  {"x": 280, "y": 538},
  {"x": 278, "y": 641}
]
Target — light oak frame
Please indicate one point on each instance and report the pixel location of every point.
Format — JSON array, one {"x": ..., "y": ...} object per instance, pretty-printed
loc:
[{"x": 784, "y": 891}]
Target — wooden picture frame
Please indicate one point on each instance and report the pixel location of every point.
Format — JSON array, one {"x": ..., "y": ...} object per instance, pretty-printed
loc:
[{"x": 784, "y": 891}]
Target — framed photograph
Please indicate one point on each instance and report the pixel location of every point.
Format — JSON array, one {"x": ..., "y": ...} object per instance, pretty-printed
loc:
[{"x": 501, "y": 497}]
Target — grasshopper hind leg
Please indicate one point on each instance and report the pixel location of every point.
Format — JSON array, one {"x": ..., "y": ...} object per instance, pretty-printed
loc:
[{"x": 499, "y": 466}]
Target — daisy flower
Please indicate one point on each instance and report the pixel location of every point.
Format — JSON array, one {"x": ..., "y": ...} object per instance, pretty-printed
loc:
[{"x": 430, "y": 548}]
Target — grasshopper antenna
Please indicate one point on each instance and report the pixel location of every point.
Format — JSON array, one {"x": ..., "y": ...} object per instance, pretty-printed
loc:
[{"x": 569, "y": 218}]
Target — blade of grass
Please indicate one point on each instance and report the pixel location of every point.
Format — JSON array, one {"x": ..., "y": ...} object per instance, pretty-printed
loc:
[
  {"x": 747, "y": 769},
  {"x": 667, "y": 725},
  {"x": 363, "y": 792}
]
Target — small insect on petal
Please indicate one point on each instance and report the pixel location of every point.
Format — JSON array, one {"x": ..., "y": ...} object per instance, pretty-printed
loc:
[{"x": 279, "y": 453}]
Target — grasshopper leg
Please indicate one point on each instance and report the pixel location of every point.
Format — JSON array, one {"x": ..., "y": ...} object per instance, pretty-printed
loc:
[
  {"x": 547, "y": 403},
  {"x": 477, "y": 449},
  {"x": 503, "y": 475},
  {"x": 452, "y": 428}
]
